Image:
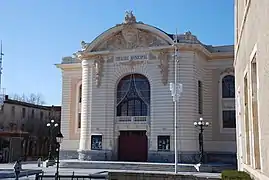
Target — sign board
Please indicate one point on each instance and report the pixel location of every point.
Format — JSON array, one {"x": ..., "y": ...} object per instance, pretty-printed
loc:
[{"x": 131, "y": 57}]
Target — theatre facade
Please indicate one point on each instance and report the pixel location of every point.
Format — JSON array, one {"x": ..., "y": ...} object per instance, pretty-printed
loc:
[{"x": 117, "y": 104}]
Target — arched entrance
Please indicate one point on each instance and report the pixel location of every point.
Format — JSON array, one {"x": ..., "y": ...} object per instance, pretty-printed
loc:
[{"x": 133, "y": 99}]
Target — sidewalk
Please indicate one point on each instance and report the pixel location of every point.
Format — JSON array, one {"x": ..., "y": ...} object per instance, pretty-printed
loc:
[{"x": 83, "y": 171}]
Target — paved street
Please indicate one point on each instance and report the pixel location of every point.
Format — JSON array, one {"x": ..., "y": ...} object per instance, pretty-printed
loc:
[{"x": 81, "y": 171}]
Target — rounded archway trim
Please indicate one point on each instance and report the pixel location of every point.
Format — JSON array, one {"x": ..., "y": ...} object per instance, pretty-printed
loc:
[{"x": 114, "y": 30}]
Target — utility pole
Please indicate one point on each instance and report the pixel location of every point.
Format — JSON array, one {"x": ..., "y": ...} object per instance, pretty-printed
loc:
[
  {"x": 176, "y": 89},
  {"x": 1, "y": 60}
]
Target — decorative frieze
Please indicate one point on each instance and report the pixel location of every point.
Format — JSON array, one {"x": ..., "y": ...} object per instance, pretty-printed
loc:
[
  {"x": 164, "y": 65},
  {"x": 98, "y": 66}
]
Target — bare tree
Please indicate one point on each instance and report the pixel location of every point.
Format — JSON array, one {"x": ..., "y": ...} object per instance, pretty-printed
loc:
[{"x": 32, "y": 98}]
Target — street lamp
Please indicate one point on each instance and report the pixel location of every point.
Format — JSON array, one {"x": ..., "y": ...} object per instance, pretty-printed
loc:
[
  {"x": 59, "y": 140},
  {"x": 51, "y": 125},
  {"x": 201, "y": 124},
  {"x": 176, "y": 90}
]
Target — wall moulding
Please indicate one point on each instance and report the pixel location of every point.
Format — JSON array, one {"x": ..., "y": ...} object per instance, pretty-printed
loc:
[
  {"x": 162, "y": 56},
  {"x": 227, "y": 71}
]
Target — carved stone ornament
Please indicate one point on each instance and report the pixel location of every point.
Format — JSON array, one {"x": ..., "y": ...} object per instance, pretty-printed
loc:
[
  {"x": 164, "y": 65},
  {"x": 227, "y": 71},
  {"x": 98, "y": 66},
  {"x": 129, "y": 17},
  {"x": 130, "y": 37},
  {"x": 84, "y": 45}
]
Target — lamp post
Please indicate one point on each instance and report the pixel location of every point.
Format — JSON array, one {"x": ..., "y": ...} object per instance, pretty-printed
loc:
[
  {"x": 176, "y": 90},
  {"x": 59, "y": 139},
  {"x": 201, "y": 124},
  {"x": 51, "y": 125}
]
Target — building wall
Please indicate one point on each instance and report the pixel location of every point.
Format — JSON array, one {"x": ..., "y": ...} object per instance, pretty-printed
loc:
[
  {"x": 252, "y": 43},
  {"x": 13, "y": 113},
  {"x": 194, "y": 64}
]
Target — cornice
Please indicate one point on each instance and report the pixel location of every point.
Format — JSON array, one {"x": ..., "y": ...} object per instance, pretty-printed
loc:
[
  {"x": 181, "y": 46},
  {"x": 69, "y": 66},
  {"x": 169, "y": 48}
]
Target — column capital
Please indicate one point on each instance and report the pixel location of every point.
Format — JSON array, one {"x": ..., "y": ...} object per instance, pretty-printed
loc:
[{"x": 85, "y": 63}]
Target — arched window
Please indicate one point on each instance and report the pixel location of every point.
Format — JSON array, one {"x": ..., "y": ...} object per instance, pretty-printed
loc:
[
  {"x": 228, "y": 89},
  {"x": 228, "y": 114},
  {"x": 133, "y": 96}
]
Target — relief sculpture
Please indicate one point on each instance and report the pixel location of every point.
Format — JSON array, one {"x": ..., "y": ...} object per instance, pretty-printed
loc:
[
  {"x": 98, "y": 65},
  {"x": 164, "y": 66},
  {"x": 130, "y": 38}
]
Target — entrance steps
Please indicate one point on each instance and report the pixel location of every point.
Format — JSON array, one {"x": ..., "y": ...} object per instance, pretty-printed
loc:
[{"x": 142, "y": 166}]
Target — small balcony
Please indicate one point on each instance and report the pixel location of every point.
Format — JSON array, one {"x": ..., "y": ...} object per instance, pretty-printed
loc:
[{"x": 132, "y": 119}]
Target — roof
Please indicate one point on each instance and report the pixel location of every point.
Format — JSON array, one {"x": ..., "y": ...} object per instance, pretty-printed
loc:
[{"x": 30, "y": 105}]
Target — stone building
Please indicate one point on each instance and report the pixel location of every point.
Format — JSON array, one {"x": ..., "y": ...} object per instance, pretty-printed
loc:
[
  {"x": 23, "y": 130},
  {"x": 116, "y": 102},
  {"x": 252, "y": 84}
]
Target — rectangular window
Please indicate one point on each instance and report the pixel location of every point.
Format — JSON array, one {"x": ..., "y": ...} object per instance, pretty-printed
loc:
[
  {"x": 163, "y": 143},
  {"x": 200, "y": 98},
  {"x": 33, "y": 113},
  {"x": 13, "y": 110},
  {"x": 23, "y": 112},
  {"x": 41, "y": 115},
  {"x": 246, "y": 120},
  {"x": 79, "y": 120},
  {"x": 255, "y": 117},
  {"x": 96, "y": 142},
  {"x": 229, "y": 118}
]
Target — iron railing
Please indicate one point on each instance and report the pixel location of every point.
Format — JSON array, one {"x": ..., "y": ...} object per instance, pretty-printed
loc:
[{"x": 126, "y": 119}]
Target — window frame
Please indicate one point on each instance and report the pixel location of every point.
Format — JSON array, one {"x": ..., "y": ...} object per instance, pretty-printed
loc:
[
  {"x": 221, "y": 108},
  {"x": 229, "y": 110},
  {"x": 78, "y": 106},
  {"x": 118, "y": 105},
  {"x": 96, "y": 135},
  {"x": 169, "y": 145}
]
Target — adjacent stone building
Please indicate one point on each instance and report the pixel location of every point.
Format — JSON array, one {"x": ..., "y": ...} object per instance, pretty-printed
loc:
[
  {"x": 252, "y": 85},
  {"x": 116, "y": 102},
  {"x": 23, "y": 131}
]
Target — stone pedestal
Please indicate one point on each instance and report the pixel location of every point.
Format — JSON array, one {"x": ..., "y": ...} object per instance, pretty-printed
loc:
[{"x": 48, "y": 162}]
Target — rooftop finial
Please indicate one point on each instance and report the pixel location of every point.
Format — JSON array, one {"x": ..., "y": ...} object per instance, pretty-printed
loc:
[{"x": 129, "y": 17}]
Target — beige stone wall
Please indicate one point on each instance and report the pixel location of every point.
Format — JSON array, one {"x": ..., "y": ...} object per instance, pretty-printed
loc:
[
  {"x": 196, "y": 62},
  {"x": 192, "y": 66},
  {"x": 253, "y": 37},
  {"x": 7, "y": 115}
]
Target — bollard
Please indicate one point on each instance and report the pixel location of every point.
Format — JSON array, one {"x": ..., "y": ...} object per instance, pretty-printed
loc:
[{"x": 38, "y": 162}]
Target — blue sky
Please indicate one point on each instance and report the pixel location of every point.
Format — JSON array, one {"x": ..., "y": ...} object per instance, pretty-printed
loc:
[{"x": 36, "y": 34}]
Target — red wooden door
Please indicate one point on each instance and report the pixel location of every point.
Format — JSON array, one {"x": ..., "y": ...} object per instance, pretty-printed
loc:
[{"x": 133, "y": 146}]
